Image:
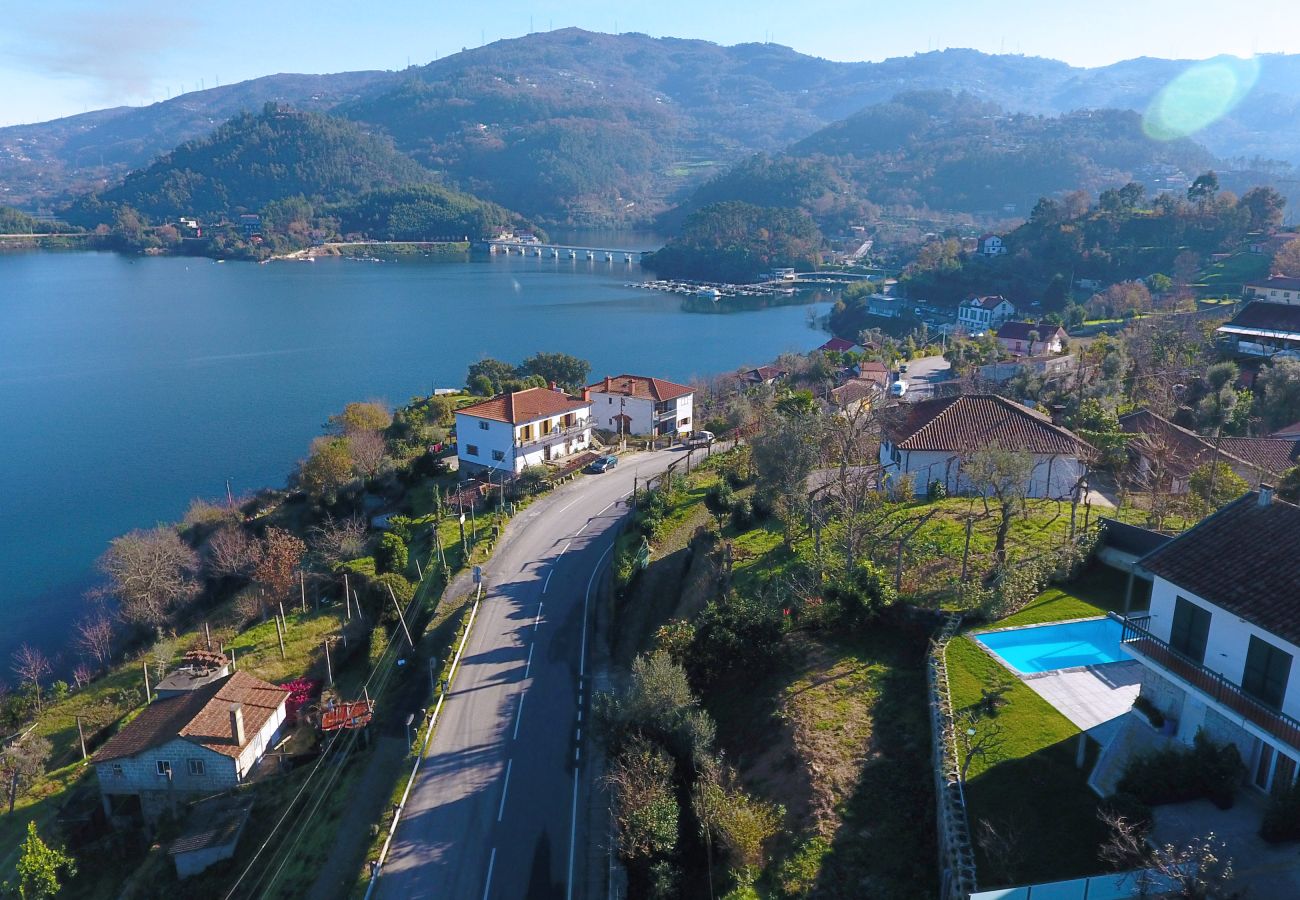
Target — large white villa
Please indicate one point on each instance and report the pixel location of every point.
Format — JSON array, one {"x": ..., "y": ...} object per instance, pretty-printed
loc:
[{"x": 512, "y": 431}]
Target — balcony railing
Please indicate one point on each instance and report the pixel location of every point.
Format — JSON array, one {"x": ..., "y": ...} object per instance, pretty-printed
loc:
[
  {"x": 554, "y": 434},
  {"x": 1215, "y": 686}
]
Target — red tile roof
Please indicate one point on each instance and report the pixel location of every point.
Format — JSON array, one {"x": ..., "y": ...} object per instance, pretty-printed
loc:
[
  {"x": 640, "y": 386},
  {"x": 1244, "y": 558},
  {"x": 524, "y": 406},
  {"x": 201, "y": 716},
  {"x": 989, "y": 302},
  {"x": 838, "y": 345},
  {"x": 1290, "y": 431},
  {"x": 971, "y": 421},
  {"x": 1188, "y": 450}
]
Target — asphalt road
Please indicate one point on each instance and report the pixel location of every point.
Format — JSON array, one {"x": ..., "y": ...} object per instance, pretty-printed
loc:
[{"x": 499, "y": 806}]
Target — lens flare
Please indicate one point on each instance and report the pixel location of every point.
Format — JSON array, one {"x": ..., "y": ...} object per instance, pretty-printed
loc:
[{"x": 1199, "y": 96}]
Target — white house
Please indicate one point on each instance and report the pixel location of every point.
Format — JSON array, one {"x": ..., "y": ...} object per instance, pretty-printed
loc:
[
  {"x": 978, "y": 314},
  {"x": 195, "y": 742},
  {"x": 525, "y": 428},
  {"x": 1030, "y": 339},
  {"x": 931, "y": 440},
  {"x": 1274, "y": 289},
  {"x": 1219, "y": 642},
  {"x": 991, "y": 245},
  {"x": 637, "y": 404}
]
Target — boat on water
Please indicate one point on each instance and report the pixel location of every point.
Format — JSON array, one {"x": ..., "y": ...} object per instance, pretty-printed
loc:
[{"x": 712, "y": 293}]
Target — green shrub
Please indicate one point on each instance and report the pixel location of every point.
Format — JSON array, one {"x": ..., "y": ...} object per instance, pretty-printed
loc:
[
  {"x": 1282, "y": 818},
  {"x": 798, "y": 875},
  {"x": 1144, "y": 705},
  {"x": 742, "y": 514},
  {"x": 937, "y": 491},
  {"x": 1175, "y": 775},
  {"x": 392, "y": 555},
  {"x": 719, "y": 498},
  {"x": 735, "y": 634}
]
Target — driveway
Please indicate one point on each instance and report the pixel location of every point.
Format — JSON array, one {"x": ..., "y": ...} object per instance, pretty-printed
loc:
[
  {"x": 923, "y": 374},
  {"x": 1265, "y": 871}
]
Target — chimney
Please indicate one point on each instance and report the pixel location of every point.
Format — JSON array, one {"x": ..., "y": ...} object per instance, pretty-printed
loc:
[
  {"x": 586, "y": 394},
  {"x": 1265, "y": 494},
  {"x": 555, "y": 387},
  {"x": 237, "y": 723},
  {"x": 1058, "y": 414}
]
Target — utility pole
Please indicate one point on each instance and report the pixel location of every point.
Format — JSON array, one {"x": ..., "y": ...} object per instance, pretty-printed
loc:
[
  {"x": 207, "y": 636},
  {"x": 148, "y": 695},
  {"x": 401, "y": 618},
  {"x": 302, "y": 586},
  {"x": 279, "y": 635},
  {"x": 82, "y": 737},
  {"x": 329, "y": 670},
  {"x": 347, "y": 598}
]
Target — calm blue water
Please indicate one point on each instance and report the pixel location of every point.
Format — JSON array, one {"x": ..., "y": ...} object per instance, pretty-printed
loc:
[
  {"x": 130, "y": 386},
  {"x": 1042, "y": 648}
]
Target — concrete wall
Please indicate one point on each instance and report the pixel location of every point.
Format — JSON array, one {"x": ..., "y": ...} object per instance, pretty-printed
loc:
[
  {"x": 262, "y": 741},
  {"x": 139, "y": 773},
  {"x": 1053, "y": 477}
]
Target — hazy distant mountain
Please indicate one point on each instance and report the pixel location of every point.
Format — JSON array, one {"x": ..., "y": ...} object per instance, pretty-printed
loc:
[
  {"x": 576, "y": 125},
  {"x": 948, "y": 152}
]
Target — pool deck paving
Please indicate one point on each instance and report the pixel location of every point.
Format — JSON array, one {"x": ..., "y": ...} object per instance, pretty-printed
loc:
[{"x": 1090, "y": 696}]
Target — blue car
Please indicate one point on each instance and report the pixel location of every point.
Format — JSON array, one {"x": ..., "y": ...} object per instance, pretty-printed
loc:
[{"x": 604, "y": 464}]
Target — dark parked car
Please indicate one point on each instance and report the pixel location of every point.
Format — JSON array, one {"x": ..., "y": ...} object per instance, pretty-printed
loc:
[{"x": 604, "y": 464}]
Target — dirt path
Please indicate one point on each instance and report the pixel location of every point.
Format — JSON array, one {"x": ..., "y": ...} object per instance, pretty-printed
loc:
[{"x": 339, "y": 873}]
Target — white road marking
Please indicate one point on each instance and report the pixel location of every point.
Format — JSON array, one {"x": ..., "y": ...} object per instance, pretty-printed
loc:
[
  {"x": 505, "y": 787},
  {"x": 573, "y": 837},
  {"x": 565, "y": 550},
  {"x": 586, "y": 600},
  {"x": 519, "y": 717},
  {"x": 548, "y": 580},
  {"x": 579, "y": 712},
  {"x": 528, "y": 668},
  {"x": 579, "y": 734},
  {"x": 538, "y": 620},
  {"x": 491, "y": 862}
]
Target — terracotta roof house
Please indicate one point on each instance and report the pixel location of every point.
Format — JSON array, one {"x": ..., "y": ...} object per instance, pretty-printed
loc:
[
  {"x": 1163, "y": 455},
  {"x": 510, "y": 432},
  {"x": 1264, "y": 329},
  {"x": 763, "y": 375},
  {"x": 929, "y": 441},
  {"x": 979, "y": 314},
  {"x": 1290, "y": 432},
  {"x": 639, "y": 404},
  {"x": 853, "y": 394},
  {"x": 1219, "y": 643},
  {"x": 840, "y": 345},
  {"x": 200, "y": 741},
  {"x": 1031, "y": 339},
  {"x": 1274, "y": 289}
]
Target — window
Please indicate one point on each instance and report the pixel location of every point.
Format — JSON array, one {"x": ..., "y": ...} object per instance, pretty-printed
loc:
[
  {"x": 117, "y": 771},
  {"x": 483, "y": 425},
  {"x": 196, "y": 767},
  {"x": 471, "y": 449},
  {"x": 1191, "y": 630},
  {"x": 1266, "y": 673},
  {"x": 498, "y": 455},
  {"x": 164, "y": 767}
]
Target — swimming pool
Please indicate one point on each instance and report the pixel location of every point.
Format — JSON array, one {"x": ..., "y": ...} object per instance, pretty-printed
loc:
[{"x": 1043, "y": 648}]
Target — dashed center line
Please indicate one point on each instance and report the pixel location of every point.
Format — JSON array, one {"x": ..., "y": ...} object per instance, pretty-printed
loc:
[
  {"x": 538, "y": 620},
  {"x": 529, "y": 666},
  {"x": 519, "y": 717},
  {"x": 492, "y": 860},
  {"x": 548, "y": 581},
  {"x": 505, "y": 788}
]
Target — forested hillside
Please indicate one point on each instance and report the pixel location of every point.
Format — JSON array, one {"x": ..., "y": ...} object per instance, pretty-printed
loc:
[
  {"x": 946, "y": 152},
  {"x": 254, "y": 160},
  {"x": 737, "y": 242}
]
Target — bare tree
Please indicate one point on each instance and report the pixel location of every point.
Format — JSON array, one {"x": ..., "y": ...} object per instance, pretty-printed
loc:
[
  {"x": 982, "y": 738},
  {"x": 151, "y": 572},
  {"x": 1199, "y": 869},
  {"x": 338, "y": 540},
  {"x": 1003, "y": 846},
  {"x": 82, "y": 675},
  {"x": 1001, "y": 475},
  {"x": 95, "y": 637},
  {"x": 852, "y": 440},
  {"x": 232, "y": 551},
  {"x": 31, "y": 666},
  {"x": 369, "y": 452},
  {"x": 21, "y": 763}
]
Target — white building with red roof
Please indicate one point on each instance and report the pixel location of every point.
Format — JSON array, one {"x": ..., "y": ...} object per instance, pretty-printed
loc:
[
  {"x": 977, "y": 315},
  {"x": 639, "y": 404},
  {"x": 512, "y": 431}
]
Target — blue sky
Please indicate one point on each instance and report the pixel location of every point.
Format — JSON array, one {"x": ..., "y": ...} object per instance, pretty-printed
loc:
[{"x": 59, "y": 57}]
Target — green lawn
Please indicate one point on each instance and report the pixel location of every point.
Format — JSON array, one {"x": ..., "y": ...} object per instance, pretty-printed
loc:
[
  {"x": 1099, "y": 591},
  {"x": 1227, "y": 276},
  {"x": 1028, "y": 788}
]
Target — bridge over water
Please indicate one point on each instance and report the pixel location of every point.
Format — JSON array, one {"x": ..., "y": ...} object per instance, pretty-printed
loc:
[{"x": 565, "y": 251}]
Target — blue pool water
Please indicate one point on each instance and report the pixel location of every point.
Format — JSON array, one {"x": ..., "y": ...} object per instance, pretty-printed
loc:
[{"x": 1042, "y": 648}]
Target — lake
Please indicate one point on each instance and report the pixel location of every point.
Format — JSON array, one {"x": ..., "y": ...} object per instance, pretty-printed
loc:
[{"x": 129, "y": 386}]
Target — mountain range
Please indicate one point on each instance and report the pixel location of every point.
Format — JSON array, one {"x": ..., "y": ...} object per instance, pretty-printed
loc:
[{"x": 585, "y": 127}]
